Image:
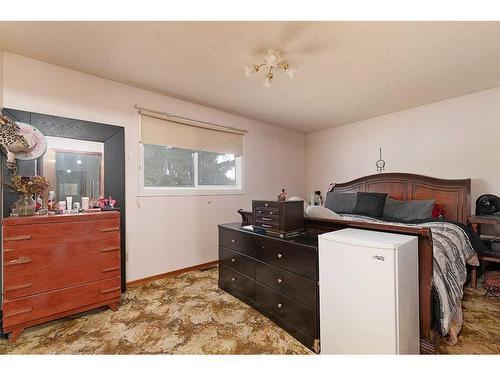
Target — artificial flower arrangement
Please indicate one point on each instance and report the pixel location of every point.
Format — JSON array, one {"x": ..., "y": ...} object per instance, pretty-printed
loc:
[
  {"x": 29, "y": 184},
  {"x": 26, "y": 186}
]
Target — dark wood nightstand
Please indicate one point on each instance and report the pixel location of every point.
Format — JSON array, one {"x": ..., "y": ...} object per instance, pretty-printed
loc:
[{"x": 491, "y": 257}]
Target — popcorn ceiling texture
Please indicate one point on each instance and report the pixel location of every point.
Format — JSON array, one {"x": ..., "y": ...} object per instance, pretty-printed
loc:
[{"x": 188, "y": 314}]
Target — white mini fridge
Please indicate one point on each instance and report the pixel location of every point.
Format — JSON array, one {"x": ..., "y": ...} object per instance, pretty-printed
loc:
[{"x": 368, "y": 285}]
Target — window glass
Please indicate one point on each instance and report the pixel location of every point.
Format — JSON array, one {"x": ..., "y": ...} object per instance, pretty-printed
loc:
[
  {"x": 168, "y": 166},
  {"x": 216, "y": 169}
]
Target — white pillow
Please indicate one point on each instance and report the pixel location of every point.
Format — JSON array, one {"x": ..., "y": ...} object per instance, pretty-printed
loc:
[{"x": 321, "y": 212}]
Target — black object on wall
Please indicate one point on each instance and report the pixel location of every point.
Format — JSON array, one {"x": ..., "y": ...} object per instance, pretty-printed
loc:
[{"x": 113, "y": 138}]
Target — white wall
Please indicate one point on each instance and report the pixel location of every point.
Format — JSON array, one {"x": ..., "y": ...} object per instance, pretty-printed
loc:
[
  {"x": 162, "y": 233},
  {"x": 454, "y": 138}
]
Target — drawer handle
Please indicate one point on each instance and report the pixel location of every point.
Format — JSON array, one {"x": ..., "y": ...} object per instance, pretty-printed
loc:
[
  {"x": 266, "y": 219},
  {"x": 108, "y": 249},
  {"x": 233, "y": 240},
  {"x": 233, "y": 260},
  {"x": 110, "y": 269},
  {"x": 267, "y": 226},
  {"x": 280, "y": 305},
  {"x": 105, "y": 291},
  {"x": 266, "y": 204},
  {"x": 24, "y": 311},
  {"x": 279, "y": 281},
  {"x": 259, "y": 212},
  {"x": 21, "y": 260},
  {"x": 18, "y": 238},
  {"x": 18, "y": 287},
  {"x": 113, "y": 229},
  {"x": 279, "y": 256},
  {"x": 233, "y": 278}
]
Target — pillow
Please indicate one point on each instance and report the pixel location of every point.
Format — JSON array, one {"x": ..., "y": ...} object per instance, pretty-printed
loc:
[
  {"x": 370, "y": 204},
  {"x": 321, "y": 212},
  {"x": 408, "y": 210},
  {"x": 341, "y": 203}
]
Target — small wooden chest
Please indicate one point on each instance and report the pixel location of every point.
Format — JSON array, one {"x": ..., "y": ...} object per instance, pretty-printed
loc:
[{"x": 283, "y": 218}]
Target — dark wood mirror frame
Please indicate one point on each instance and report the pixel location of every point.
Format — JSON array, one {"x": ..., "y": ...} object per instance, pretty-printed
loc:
[{"x": 113, "y": 138}]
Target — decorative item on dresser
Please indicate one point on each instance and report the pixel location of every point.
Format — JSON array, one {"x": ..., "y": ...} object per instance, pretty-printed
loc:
[
  {"x": 277, "y": 277},
  {"x": 281, "y": 218},
  {"x": 55, "y": 266}
]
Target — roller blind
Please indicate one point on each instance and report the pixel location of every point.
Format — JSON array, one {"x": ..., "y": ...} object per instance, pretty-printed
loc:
[{"x": 190, "y": 135}]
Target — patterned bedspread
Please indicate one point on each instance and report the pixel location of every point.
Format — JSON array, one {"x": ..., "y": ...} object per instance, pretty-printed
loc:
[{"x": 452, "y": 251}]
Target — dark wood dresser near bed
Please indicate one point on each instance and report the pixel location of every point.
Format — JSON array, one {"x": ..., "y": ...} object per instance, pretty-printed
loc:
[
  {"x": 55, "y": 266},
  {"x": 277, "y": 277}
]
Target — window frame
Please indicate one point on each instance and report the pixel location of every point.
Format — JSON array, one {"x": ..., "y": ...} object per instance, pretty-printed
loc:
[{"x": 201, "y": 190}]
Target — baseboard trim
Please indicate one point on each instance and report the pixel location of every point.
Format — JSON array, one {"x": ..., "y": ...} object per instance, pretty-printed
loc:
[{"x": 171, "y": 273}]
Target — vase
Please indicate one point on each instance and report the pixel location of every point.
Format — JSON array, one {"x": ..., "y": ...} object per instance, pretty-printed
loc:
[{"x": 26, "y": 205}]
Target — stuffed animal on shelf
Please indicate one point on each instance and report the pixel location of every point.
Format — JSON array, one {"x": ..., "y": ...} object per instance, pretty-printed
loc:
[{"x": 11, "y": 141}]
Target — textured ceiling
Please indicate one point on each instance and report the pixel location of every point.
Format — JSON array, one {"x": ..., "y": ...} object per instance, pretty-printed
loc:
[{"x": 347, "y": 71}]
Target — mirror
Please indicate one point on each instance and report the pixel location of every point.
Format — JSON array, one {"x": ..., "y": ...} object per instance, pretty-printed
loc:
[{"x": 75, "y": 168}]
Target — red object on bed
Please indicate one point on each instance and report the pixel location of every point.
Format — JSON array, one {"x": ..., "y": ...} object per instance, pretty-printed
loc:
[{"x": 437, "y": 212}]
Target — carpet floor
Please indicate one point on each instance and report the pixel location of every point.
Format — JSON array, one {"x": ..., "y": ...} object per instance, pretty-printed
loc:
[{"x": 188, "y": 314}]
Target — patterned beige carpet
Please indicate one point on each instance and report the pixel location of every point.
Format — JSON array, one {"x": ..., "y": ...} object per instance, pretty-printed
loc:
[{"x": 188, "y": 314}]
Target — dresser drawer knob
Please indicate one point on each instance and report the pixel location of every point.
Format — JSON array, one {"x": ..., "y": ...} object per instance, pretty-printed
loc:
[
  {"x": 19, "y": 312},
  {"x": 112, "y": 229},
  {"x": 110, "y": 269},
  {"x": 18, "y": 238},
  {"x": 108, "y": 249},
  {"x": 233, "y": 240},
  {"x": 266, "y": 226},
  {"x": 279, "y": 281},
  {"x": 105, "y": 291},
  {"x": 266, "y": 204},
  {"x": 279, "y": 256},
  {"x": 233, "y": 260},
  {"x": 266, "y": 219},
  {"x": 233, "y": 278},
  {"x": 280, "y": 305},
  {"x": 21, "y": 260},
  {"x": 18, "y": 287}
]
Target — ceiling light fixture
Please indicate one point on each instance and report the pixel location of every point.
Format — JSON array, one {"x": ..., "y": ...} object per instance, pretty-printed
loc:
[{"x": 272, "y": 62}]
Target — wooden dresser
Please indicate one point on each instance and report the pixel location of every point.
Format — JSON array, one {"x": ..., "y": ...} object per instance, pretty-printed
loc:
[
  {"x": 55, "y": 266},
  {"x": 282, "y": 218},
  {"x": 277, "y": 277}
]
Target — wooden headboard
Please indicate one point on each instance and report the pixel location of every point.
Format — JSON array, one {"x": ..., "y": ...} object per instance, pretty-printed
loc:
[{"x": 452, "y": 195}]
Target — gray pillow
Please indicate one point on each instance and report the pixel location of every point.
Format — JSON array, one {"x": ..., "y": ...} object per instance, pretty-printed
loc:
[
  {"x": 341, "y": 203},
  {"x": 408, "y": 210}
]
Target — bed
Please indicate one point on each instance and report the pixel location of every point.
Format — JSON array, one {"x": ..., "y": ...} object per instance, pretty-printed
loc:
[{"x": 452, "y": 195}]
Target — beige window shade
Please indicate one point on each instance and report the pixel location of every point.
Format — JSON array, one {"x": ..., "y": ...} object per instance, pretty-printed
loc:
[{"x": 161, "y": 131}]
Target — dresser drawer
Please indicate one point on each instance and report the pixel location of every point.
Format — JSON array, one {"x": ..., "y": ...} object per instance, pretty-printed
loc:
[
  {"x": 44, "y": 305},
  {"x": 293, "y": 258},
  {"x": 32, "y": 236},
  {"x": 297, "y": 314},
  {"x": 24, "y": 284},
  {"x": 268, "y": 224},
  {"x": 266, "y": 206},
  {"x": 63, "y": 254},
  {"x": 236, "y": 261},
  {"x": 294, "y": 286},
  {"x": 229, "y": 278},
  {"x": 236, "y": 241}
]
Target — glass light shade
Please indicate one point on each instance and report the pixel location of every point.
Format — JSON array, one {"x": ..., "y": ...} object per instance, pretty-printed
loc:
[
  {"x": 248, "y": 70},
  {"x": 291, "y": 72},
  {"x": 267, "y": 82}
]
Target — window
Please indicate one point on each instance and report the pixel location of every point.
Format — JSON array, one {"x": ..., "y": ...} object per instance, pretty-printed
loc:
[{"x": 178, "y": 158}]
